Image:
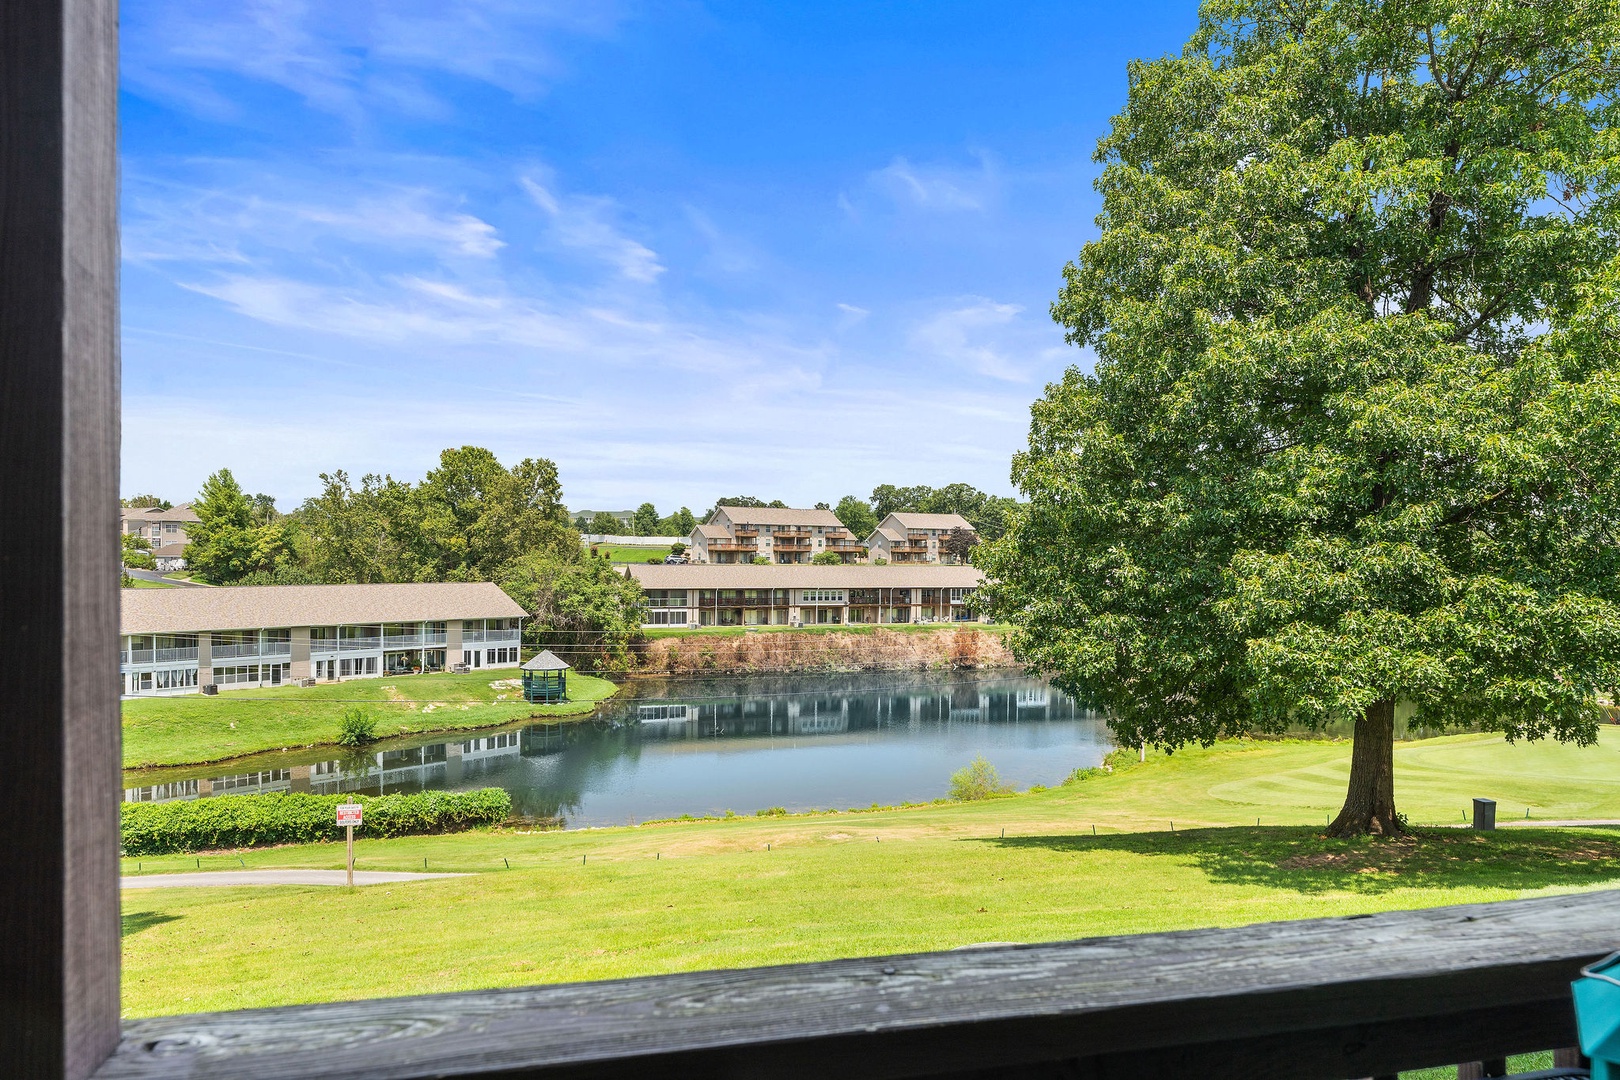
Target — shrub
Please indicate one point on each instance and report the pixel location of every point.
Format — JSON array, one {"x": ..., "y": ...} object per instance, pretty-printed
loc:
[
  {"x": 771, "y": 811},
  {"x": 978, "y": 781},
  {"x": 357, "y": 728},
  {"x": 234, "y": 821},
  {"x": 826, "y": 558}
]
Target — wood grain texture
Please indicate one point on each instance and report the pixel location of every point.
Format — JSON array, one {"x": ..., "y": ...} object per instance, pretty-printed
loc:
[
  {"x": 1323, "y": 998},
  {"x": 59, "y": 565}
]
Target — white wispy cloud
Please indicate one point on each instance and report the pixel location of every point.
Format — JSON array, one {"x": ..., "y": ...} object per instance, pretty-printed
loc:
[
  {"x": 987, "y": 337},
  {"x": 228, "y": 224},
  {"x": 585, "y": 224},
  {"x": 347, "y": 58},
  {"x": 935, "y": 188}
]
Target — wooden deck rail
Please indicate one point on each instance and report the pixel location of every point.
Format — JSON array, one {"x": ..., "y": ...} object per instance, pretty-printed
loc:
[{"x": 1329, "y": 999}]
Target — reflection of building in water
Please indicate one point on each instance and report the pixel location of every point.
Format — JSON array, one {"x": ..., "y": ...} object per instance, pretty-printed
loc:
[
  {"x": 647, "y": 713},
  {"x": 1037, "y": 698},
  {"x": 180, "y": 789},
  {"x": 379, "y": 773},
  {"x": 969, "y": 707}
]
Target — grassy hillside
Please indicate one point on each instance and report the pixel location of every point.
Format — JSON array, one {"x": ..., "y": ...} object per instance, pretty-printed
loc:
[
  {"x": 193, "y": 728},
  {"x": 758, "y": 890}
]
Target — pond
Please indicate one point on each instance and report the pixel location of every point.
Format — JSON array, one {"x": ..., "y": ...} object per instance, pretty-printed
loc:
[{"x": 704, "y": 746}]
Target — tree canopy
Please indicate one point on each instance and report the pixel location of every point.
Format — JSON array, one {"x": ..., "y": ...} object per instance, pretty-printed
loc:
[
  {"x": 230, "y": 538},
  {"x": 584, "y": 610},
  {"x": 465, "y": 521},
  {"x": 1350, "y": 438}
]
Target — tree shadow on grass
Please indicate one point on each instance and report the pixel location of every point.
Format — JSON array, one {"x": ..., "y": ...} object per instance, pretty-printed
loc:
[
  {"x": 136, "y": 921},
  {"x": 1303, "y": 860}
]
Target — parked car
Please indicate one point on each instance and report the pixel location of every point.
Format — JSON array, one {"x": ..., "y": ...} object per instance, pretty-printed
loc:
[{"x": 674, "y": 560}]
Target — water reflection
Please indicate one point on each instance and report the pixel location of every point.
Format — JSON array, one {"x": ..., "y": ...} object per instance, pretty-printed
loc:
[{"x": 675, "y": 747}]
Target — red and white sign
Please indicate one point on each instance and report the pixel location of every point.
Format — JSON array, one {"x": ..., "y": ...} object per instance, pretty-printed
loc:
[{"x": 349, "y": 813}]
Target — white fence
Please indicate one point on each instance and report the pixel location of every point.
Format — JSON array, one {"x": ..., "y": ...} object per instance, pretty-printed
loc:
[{"x": 632, "y": 541}]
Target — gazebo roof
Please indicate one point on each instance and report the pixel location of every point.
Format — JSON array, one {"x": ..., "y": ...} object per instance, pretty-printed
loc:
[{"x": 546, "y": 660}]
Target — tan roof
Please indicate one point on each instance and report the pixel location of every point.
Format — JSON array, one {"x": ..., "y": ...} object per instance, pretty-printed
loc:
[
  {"x": 167, "y": 550},
  {"x": 183, "y": 512},
  {"x": 805, "y": 576},
  {"x": 248, "y": 607},
  {"x": 888, "y": 534},
  {"x": 712, "y": 532},
  {"x": 776, "y": 515},
  {"x": 908, "y": 520}
]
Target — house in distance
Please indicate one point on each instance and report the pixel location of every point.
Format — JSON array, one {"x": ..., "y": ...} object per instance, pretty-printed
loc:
[{"x": 786, "y": 537}]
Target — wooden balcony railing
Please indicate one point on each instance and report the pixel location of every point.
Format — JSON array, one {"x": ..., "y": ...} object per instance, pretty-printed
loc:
[{"x": 1321, "y": 999}]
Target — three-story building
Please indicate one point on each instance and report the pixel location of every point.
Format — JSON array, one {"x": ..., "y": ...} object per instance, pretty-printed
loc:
[
  {"x": 164, "y": 530},
  {"x": 904, "y": 537},
  {"x": 779, "y": 535}
]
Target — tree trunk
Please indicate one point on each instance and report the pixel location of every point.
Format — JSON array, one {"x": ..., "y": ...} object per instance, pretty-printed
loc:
[{"x": 1369, "y": 806}]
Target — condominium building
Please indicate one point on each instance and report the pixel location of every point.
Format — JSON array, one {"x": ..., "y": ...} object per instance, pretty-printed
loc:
[
  {"x": 805, "y": 595},
  {"x": 178, "y": 641},
  {"x": 165, "y": 530},
  {"x": 904, "y": 537},
  {"x": 739, "y": 534}
]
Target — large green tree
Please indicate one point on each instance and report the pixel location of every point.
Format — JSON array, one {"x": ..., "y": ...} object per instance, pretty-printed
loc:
[
  {"x": 857, "y": 516},
  {"x": 228, "y": 541},
  {"x": 1350, "y": 439},
  {"x": 585, "y": 610},
  {"x": 646, "y": 520},
  {"x": 464, "y": 522}
]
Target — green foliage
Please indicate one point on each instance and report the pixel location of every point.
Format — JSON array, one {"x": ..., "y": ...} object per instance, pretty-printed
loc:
[
  {"x": 606, "y": 524},
  {"x": 136, "y": 551},
  {"x": 826, "y": 558},
  {"x": 880, "y": 561},
  {"x": 677, "y": 549},
  {"x": 585, "y": 611},
  {"x": 978, "y": 780},
  {"x": 357, "y": 727},
  {"x": 1350, "y": 438},
  {"x": 857, "y": 516},
  {"x": 680, "y": 523},
  {"x": 229, "y": 539},
  {"x": 771, "y": 811},
  {"x": 463, "y": 522},
  {"x": 646, "y": 520},
  {"x": 239, "y": 821},
  {"x": 147, "y": 501},
  {"x": 760, "y": 560},
  {"x": 281, "y": 574}
]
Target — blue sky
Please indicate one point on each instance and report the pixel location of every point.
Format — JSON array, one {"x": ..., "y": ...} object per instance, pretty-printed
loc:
[{"x": 683, "y": 249}]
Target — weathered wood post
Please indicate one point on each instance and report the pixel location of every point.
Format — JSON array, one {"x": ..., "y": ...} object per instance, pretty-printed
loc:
[{"x": 59, "y": 566}]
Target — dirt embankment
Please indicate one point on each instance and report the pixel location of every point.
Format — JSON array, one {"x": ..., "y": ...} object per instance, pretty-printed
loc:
[{"x": 874, "y": 650}]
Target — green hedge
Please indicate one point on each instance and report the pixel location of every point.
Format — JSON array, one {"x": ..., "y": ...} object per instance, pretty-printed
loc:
[{"x": 235, "y": 821}]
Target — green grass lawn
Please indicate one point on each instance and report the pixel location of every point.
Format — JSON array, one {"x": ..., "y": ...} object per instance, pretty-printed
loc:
[
  {"x": 626, "y": 553},
  {"x": 750, "y": 890},
  {"x": 142, "y": 583},
  {"x": 193, "y": 728}
]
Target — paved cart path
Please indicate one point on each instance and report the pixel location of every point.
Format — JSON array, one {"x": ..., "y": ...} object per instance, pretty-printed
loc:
[{"x": 270, "y": 877}]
